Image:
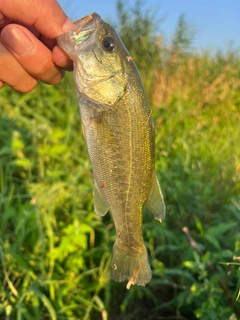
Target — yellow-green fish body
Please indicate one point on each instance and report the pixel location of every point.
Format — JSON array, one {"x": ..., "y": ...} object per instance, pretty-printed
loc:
[{"x": 119, "y": 133}]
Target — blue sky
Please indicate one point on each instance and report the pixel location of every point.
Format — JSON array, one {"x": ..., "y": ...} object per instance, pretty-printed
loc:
[{"x": 216, "y": 22}]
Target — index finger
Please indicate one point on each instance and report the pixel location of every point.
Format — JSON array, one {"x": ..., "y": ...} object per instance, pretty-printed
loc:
[{"x": 46, "y": 15}]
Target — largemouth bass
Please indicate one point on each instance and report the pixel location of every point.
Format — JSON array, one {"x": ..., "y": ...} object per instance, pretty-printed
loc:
[{"x": 119, "y": 133}]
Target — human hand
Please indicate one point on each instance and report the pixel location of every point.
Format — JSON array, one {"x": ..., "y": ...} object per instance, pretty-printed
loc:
[{"x": 28, "y": 50}]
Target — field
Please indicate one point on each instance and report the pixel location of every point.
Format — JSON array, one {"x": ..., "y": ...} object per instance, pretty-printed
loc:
[{"x": 55, "y": 251}]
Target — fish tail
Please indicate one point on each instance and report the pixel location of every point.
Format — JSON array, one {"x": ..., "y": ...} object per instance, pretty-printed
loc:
[{"x": 130, "y": 265}]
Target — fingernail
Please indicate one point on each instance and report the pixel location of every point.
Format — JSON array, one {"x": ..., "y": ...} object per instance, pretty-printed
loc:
[
  {"x": 17, "y": 41},
  {"x": 69, "y": 25}
]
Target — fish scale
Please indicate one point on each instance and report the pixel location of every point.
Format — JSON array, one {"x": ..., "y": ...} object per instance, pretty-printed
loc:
[{"x": 119, "y": 133}]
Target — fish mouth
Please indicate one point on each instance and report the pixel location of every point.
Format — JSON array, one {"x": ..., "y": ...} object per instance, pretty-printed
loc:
[{"x": 86, "y": 26}]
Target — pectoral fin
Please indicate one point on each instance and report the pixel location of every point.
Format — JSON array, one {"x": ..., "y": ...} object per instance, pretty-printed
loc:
[
  {"x": 155, "y": 202},
  {"x": 100, "y": 205}
]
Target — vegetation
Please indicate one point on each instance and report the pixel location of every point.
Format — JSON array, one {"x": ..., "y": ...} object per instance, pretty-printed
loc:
[{"x": 54, "y": 250}]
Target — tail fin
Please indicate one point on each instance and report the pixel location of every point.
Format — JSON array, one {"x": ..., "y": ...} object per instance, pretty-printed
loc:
[{"x": 130, "y": 265}]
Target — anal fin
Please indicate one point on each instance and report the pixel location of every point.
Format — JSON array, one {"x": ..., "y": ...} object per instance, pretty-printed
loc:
[
  {"x": 155, "y": 202},
  {"x": 100, "y": 205}
]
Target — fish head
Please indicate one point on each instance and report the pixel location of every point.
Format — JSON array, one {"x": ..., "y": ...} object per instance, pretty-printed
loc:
[{"x": 100, "y": 60}]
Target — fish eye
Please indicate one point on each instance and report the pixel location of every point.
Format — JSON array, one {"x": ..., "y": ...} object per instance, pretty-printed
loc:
[{"x": 108, "y": 44}]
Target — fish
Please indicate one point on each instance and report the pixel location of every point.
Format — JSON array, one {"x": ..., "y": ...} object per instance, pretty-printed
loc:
[{"x": 119, "y": 133}]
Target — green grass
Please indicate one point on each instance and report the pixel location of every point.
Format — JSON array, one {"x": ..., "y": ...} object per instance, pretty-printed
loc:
[
  {"x": 54, "y": 250},
  {"x": 48, "y": 229}
]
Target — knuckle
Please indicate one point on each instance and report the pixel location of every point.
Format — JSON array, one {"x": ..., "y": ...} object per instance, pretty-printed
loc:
[
  {"x": 57, "y": 78},
  {"x": 26, "y": 86},
  {"x": 3, "y": 20},
  {"x": 13, "y": 73},
  {"x": 1, "y": 84},
  {"x": 47, "y": 72},
  {"x": 39, "y": 66}
]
